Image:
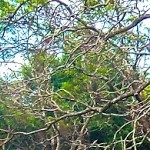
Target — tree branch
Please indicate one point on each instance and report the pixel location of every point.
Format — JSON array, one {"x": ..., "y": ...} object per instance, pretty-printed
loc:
[{"x": 122, "y": 30}]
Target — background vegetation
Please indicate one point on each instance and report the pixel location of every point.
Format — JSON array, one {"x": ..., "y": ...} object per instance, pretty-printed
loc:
[{"x": 84, "y": 83}]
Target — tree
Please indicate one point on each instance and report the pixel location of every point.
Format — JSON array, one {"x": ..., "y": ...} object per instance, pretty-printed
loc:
[{"x": 85, "y": 83}]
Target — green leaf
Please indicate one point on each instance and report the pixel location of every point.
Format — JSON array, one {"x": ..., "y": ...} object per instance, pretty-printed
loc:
[{"x": 109, "y": 6}]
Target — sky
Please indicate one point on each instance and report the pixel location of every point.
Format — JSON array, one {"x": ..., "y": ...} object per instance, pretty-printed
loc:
[
  {"x": 12, "y": 65},
  {"x": 7, "y": 68}
]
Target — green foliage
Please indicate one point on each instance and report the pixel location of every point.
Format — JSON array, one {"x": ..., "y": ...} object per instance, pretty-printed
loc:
[
  {"x": 18, "y": 119},
  {"x": 91, "y": 3},
  {"x": 6, "y": 8},
  {"x": 85, "y": 72},
  {"x": 146, "y": 93},
  {"x": 109, "y": 7}
]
